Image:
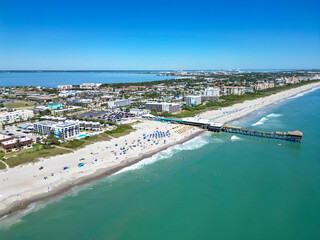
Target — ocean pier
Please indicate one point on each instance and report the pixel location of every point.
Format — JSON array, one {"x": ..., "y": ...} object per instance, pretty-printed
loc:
[{"x": 290, "y": 136}]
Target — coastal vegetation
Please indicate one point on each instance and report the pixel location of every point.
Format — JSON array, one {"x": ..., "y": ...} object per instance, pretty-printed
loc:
[
  {"x": 2, "y": 166},
  {"x": 121, "y": 130},
  {"x": 193, "y": 79},
  {"x": 80, "y": 143},
  {"x": 33, "y": 155},
  {"x": 52, "y": 147}
]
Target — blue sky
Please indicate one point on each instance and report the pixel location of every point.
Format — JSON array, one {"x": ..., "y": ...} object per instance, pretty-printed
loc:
[{"x": 217, "y": 34}]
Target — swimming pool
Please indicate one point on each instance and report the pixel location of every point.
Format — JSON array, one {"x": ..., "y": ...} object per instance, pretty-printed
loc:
[{"x": 82, "y": 135}]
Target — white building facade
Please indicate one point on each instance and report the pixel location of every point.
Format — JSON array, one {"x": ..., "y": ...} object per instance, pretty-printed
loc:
[
  {"x": 15, "y": 116},
  {"x": 65, "y": 87},
  {"x": 214, "y": 92},
  {"x": 193, "y": 100},
  {"x": 119, "y": 103},
  {"x": 67, "y": 93},
  {"x": 164, "y": 107},
  {"x": 90, "y": 85},
  {"x": 66, "y": 129},
  {"x": 226, "y": 90}
]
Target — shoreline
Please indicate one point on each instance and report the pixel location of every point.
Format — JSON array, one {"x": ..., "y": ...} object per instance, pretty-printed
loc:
[
  {"x": 15, "y": 206},
  {"x": 250, "y": 106}
]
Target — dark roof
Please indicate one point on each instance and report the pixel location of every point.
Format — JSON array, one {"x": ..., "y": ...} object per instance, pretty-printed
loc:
[{"x": 92, "y": 114}]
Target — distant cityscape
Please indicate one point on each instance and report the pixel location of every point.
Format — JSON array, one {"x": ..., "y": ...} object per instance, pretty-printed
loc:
[{"x": 68, "y": 110}]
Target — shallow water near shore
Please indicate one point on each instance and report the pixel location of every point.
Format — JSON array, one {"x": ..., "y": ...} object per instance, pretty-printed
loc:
[{"x": 216, "y": 186}]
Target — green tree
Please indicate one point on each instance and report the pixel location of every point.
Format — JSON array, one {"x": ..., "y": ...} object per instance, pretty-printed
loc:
[{"x": 61, "y": 135}]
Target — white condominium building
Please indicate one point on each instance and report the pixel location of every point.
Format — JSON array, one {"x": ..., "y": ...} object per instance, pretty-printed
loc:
[
  {"x": 164, "y": 107},
  {"x": 65, "y": 87},
  {"x": 214, "y": 92},
  {"x": 226, "y": 90},
  {"x": 67, "y": 129},
  {"x": 18, "y": 115},
  {"x": 193, "y": 100},
  {"x": 90, "y": 85},
  {"x": 119, "y": 103}
]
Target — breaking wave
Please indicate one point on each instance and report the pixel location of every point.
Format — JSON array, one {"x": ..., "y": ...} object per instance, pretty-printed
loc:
[
  {"x": 8, "y": 220},
  {"x": 194, "y": 143},
  {"x": 260, "y": 122},
  {"x": 274, "y": 115},
  {"x": 304, "y": 93},
  {"x": 266, "y": 118},
  {"x": 235, "y": 138}
]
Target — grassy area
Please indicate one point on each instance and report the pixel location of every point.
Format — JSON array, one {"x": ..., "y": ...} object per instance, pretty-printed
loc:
[
  {"x": 2, "y": 166},
  {"x": 74, "y": 144},
  {"x": 78, "y": 143},
  {"x": 32, "y": 155},
  {"x": 19, "y": 104},
  {"x": 121, "y": 130}
]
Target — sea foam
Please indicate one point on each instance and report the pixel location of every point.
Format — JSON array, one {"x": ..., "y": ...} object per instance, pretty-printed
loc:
[
  {"x": 8, "y": 220},
  {"x": 235, "y": 138},
  {"x": 274, "y": 115},
  {"x": 192, "y": 144},
  {"x": 260, "y": 122},
  {"x": 266, "y": 118},
  {"x": 304, "y": 93}
]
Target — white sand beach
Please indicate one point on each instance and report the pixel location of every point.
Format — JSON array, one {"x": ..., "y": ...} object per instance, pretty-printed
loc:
[
  {"x": 228, "y": 114},
  {"x": 24, "y": 184}
]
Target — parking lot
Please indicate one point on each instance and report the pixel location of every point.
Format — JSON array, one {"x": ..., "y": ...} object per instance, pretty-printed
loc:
[{"x": 15, "y": 131}]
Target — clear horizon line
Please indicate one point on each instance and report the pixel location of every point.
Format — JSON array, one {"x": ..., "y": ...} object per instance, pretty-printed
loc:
[{"x": 220, "y": 69}]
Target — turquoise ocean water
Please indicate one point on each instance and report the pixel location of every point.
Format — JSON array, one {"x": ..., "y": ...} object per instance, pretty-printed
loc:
[
  {"x": 216, "y": 186},
  {"x": 52, "y": 79}
]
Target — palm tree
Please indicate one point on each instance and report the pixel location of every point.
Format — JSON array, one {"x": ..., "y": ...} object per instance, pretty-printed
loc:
[{"x": 18, "y": 143}]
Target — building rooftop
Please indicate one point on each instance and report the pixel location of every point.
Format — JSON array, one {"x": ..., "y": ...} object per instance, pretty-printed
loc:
[
  {"x": 12, "y": 141},
  {"x": 92, "y": 114},
  {"x": 46, "y": 122},
  {"x": 3, "y": 137}
]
